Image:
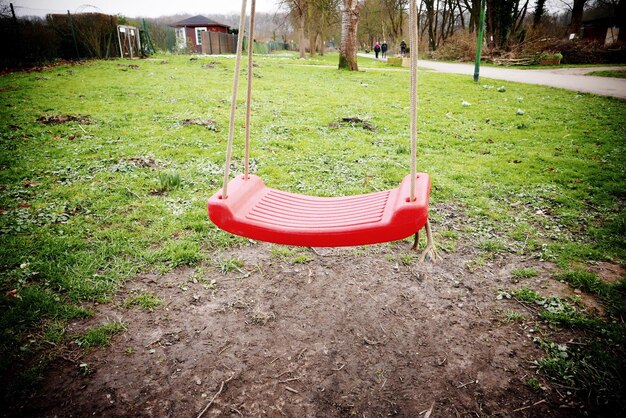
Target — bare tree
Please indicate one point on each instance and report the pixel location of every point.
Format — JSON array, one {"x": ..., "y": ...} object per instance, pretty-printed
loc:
[
  {"x": 350, "y": 10},
  {"x": 321, "y": 15},
  {"x": 473, "y": 7},
  {"x": 540, "y": 10},
  {"x": 577, "y": 15},
  {"x": 297, "y": 10},
  {"x": 395, "y": 11}
]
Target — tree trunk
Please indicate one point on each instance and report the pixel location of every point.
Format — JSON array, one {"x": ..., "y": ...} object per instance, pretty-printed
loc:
[
  {"x": 322, "y": 34},
  {"x": 301, "y": 37},
  {"x": 311, "y": 31},
  {"x": 577, "y": 16},
  {"x": 430, "y": 18},
  {"x": 473, "y": 6},
  {"x": 349, "y": 24},
  {"x": 621, "y": 20},
  {"x": 540, "y": 9}
]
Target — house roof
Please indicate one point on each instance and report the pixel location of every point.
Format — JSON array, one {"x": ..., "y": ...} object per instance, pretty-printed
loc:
[{"x": 199, "y": 20}]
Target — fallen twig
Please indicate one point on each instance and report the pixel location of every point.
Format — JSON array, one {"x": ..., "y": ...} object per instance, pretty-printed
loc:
[
  {"x": 153, "y": 342},
  {"x": 283, "y": 373},
  {"x": 477, "y": 308},
  {"x": 453, "y": 118},
  {"x": 206, "y": 408},
  {"x": 289, "y": 380},
  {"x": 530, "y": 308},
  {"x": 462, "y": 385},
  {"x": 291, "y": 389},
  {"x": 529, "y": 406},
  {"x": 274, "y": 361},
  {"x": 370, "y": 342},
  {"x": 340, "y": 367},
  {"x": 224, "y": 349},
  {"x": 428, "y": 411}
]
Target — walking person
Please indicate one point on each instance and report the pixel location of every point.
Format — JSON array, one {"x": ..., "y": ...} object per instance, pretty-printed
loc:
[
  {"x": 403, "y": 48},
  {"x": 377, "y": 49},
  {"x": 383, "y": 49}
]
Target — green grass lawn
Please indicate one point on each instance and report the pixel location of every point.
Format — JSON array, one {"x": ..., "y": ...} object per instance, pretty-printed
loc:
[
  {"x": 610, "y": 73},
  {"x": 87, "y": 204}
]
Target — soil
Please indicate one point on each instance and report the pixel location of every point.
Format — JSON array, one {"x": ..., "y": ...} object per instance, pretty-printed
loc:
[
  {"x": 59, "y": 119},
  {"x": 207, "y": 123},
  {"x": 350, "y": 332}
]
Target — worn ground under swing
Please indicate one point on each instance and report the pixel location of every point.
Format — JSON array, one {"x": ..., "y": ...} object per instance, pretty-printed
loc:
[{"x": 361, "y": 332}]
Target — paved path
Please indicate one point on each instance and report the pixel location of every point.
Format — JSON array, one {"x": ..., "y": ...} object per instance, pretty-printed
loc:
[{"x": 564, "y": 78}]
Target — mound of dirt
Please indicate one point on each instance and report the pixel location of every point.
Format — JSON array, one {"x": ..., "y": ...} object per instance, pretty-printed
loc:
[
  {"x": 352, "y": 121},
  {"x": 207, "y": 123},
  {"x": 59, "y": 119}
]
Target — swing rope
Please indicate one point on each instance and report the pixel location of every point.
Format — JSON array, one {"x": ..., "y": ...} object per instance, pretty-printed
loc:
[
  {"x": 249, "y": 95},
  {"x": 413, "y": 50},
  {"x": 233, "y": 101},
  {"x": 413, "y": 42}
]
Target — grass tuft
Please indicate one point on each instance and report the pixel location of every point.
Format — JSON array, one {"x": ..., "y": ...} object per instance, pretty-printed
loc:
[{"x": 100, "y": 336}]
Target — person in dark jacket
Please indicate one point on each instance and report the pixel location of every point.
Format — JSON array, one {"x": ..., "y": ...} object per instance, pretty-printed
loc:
[
  {"x": 403, "y": 48},
  {"x": 383, "y": 49},
  {"x": 377, "y": 49}
]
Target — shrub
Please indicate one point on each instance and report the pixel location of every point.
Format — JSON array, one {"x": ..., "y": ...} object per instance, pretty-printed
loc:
[{"x": 460, "y": 46}]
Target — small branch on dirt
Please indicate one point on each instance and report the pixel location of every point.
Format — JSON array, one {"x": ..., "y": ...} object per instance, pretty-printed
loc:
[
  {"x": 381, "y": 327},
  {"x": 237, "y": 411},
  {"x": 442, "y": 362},
  {"x": 274, "y": 361},
  {"x": 371, "y": 342},
  {"x": 530, "y": 308},
  {"x": 301, "y": 353},
  {"x": 471, "y": 382},
  {"x": 315, "y": 251},
  {"x": 153, "y": 342},
  {"x": 224, "y": 349},
  {"x": 429, "y": 411},
  {"x": 340, "y": 367},
  {"x": 529, "y": 406},
  {"x": 246, "y": 274},
  {"x": 206, "y": 408},
  {"x": 283, "y": 373},
  {"x": 291, "y": 389},
  {"x": 477, "y": 308},
  {"x": 289, "y": 380}
]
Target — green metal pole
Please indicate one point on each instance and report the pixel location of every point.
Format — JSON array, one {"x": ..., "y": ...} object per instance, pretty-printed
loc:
[{"x": 479, "y": 41}]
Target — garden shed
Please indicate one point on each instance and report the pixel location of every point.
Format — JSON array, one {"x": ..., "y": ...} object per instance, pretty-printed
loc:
[{"x": 189, "y": 34}]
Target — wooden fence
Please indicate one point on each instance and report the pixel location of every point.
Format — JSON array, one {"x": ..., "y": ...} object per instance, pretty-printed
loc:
[{"x": 218, "y": 43}]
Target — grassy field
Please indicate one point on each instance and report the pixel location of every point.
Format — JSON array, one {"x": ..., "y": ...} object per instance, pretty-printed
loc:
[
  {"x": 609, "y": 73},
  {"x": 120, "y": 186}
]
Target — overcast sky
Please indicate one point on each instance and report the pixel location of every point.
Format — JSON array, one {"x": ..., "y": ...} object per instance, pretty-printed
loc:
[{"x": 133, "y": 8}]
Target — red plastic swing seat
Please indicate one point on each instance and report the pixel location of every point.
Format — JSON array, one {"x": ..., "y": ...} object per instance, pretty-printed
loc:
[{"x": 256, "y": 211}]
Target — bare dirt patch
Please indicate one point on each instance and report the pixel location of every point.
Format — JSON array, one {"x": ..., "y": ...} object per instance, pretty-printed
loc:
[
  {"x": 143, "y": 162},
  {"x": 353, "y": 121},
  {"x": 350, "y": 332},
  {"x": 207, "y": 123},
  {"x": 59, "y": 119},
  {"x": 609, "y": 272}
]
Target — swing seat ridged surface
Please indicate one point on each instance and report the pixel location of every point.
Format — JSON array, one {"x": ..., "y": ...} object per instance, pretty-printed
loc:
[{"x": 256, "y": 211}]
